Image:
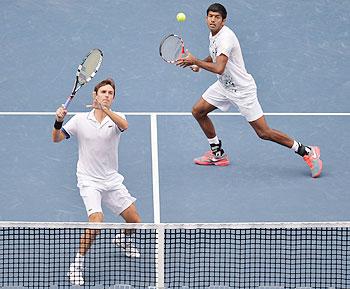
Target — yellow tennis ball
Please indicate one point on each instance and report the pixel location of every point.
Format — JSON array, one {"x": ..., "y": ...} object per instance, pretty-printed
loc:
[{"x": 181, "y": 17}]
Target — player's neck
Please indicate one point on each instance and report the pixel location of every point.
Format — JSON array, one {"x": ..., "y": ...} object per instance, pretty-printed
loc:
[
  {"x": 216, "y": 32},
  {"x": 99, "y": 115}
]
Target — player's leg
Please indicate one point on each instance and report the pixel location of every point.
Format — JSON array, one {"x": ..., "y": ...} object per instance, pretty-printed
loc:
[
  {"x": 92, "y": 201},
  {"x": 211, "y": 100},
  {"x": 120, "y": 202},
  {"x": 200, "y": 112},
  {"x": 130, "y": 214},
  {"x": 266, "y": 133},
  {"x": 310, "y": 154},
  {"x": 250, "y": 108},
  {"x": 123, "y": 239},
  {"x": 89, "y": 235}
]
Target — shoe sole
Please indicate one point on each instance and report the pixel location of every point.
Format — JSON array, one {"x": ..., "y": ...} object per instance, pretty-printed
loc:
[
  {"x": 320, "y": 171},
  {"x": 220, "y": 164}
]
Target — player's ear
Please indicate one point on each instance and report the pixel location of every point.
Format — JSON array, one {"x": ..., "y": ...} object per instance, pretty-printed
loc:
[{"x": 94, "y": 94}]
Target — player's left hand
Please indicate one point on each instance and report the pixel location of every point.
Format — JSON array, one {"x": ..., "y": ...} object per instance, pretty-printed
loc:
[
  {"x": 186, "y": 61},
  {"x": 97, "y": 105}
]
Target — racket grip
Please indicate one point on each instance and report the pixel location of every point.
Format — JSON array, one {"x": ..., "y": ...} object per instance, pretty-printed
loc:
[{"x": 66, "y": 104}]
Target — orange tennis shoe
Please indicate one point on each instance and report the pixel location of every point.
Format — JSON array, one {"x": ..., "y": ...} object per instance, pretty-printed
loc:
[
  {"x": 209, "y": 159},
  {"x": 313, "y": 161}
]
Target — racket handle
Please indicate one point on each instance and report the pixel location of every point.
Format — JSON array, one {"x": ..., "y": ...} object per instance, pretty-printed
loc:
[{"x": 69, "y": 99}]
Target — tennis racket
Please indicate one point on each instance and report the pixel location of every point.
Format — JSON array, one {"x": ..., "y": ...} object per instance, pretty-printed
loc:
[
  {"x": 86, "y": 71},
  {"x": 172, "y": 48}
]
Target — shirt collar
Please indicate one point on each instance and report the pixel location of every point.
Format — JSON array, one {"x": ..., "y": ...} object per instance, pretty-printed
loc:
[
  {"x": 217, "y": 34},
  {"x": 91, "y": 116}
]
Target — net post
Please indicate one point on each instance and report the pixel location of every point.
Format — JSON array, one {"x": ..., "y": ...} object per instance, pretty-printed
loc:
[{"x": 160, "y": 256}]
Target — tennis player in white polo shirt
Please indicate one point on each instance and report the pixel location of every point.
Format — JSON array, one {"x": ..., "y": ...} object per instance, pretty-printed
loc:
[
  {"x": 235, "y": 86},
  {"x": 98, "y": 134}
]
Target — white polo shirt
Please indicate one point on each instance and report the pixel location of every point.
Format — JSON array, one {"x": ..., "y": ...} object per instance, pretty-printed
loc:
[
  {"x": 235, "y": 75},
  {"x": 98, "y": 150}
]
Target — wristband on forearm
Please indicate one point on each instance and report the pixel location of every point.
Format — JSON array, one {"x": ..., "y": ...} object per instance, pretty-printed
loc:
[{"x": 58, "y": 124}]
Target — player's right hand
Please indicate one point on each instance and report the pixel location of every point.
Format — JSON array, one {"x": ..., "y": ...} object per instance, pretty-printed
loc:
[{"x": 61, "y": 113}]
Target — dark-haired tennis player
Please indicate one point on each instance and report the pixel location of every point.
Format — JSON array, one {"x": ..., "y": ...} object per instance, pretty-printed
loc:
[
  {"x": 98, "y": 134},
  {"x": 235, "y": 86}
]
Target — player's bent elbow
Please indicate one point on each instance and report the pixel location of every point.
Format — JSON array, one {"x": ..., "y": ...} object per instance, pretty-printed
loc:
[
  {"x": 220, "y": 71},
  {"x": 124, "y": 126}
]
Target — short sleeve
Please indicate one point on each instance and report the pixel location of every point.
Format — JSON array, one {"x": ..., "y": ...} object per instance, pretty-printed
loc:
[
  {"x": 225, "y": 45},
  {"x": 70, "y": 128}
]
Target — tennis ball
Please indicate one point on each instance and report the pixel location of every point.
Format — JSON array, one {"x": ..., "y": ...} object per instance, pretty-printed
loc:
[{"x": 181, "y": 17}]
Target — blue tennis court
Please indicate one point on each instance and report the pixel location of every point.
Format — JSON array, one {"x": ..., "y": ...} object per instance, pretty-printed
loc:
[{"x": 298, "y": 52}]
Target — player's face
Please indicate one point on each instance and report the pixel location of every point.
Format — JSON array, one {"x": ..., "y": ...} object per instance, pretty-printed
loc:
[
  {"x": 215, "y": 22},
  {"x": 105, "y": 95}
]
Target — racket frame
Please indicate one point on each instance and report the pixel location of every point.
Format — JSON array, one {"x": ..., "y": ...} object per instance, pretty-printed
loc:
[
  {"x": 78, "y": 83},
  {"x": 162, "y": 42}
]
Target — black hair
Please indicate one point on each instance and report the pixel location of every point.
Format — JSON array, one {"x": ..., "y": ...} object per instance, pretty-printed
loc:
[{"x": 217, "y": 7}]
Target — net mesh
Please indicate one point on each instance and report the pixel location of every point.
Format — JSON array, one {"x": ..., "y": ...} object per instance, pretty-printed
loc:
[{"x": 37, "y": 255}]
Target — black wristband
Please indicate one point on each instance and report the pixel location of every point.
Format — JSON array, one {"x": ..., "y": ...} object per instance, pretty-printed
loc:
[{"x": 58, "y": 124}]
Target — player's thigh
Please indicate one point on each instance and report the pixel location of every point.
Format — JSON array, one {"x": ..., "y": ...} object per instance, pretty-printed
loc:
[
  {"x": 92, "y": 200},
  {"x": 216, "y": 97},
  {"x": 118, "y": 199},
  {"x": 202, "y": 107},
  {"x": 248, "y": 104}
]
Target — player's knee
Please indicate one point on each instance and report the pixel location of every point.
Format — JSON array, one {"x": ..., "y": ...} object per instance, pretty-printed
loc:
[
  {"x": 198, "y": 112},
  {"x": 96, "y": 217}
]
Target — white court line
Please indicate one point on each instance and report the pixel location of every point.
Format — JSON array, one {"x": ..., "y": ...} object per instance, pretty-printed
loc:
[
  {"x": 38, "y": 113},
  {"x": 155, "y": 169}
]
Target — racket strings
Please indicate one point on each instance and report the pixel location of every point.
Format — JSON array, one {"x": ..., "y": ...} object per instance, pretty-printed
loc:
[
  {"x": 90, "y": 66},
  {"x": 171, "y": 48}
]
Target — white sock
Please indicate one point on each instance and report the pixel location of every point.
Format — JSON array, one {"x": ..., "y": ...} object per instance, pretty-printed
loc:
[
  {"x": 214, "y": 140},
  {"x": 79, "y": 259},
  {"x": 295, "y": 146}
]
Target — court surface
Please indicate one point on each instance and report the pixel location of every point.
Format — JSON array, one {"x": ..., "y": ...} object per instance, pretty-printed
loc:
[{"x": 298, "y": 53}]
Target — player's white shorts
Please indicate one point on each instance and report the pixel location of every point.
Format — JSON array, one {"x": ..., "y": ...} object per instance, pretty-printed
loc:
[
  {"x": 245, "y": 100},
  {"x": 117, "y": 200}
]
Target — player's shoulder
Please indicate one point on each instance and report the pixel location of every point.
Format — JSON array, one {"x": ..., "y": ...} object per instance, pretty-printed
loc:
[{"x": 228, "y": 32}]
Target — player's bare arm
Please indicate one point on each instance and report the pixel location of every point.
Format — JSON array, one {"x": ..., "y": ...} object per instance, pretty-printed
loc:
[
  {"x": 118, "y": 120},
  {"x": 105, "y": 107},
  {"x": 217, "y": 67},
  {"x": 57, "y": 134}
]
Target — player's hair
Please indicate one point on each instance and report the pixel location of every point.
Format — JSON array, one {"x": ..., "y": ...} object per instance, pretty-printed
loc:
[
  {"x": 108, "y": 81},
  {"x": 217, "y": 7}
]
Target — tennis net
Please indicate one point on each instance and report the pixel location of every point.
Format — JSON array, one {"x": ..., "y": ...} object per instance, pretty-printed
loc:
[{"x": 243, "y": 255}]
